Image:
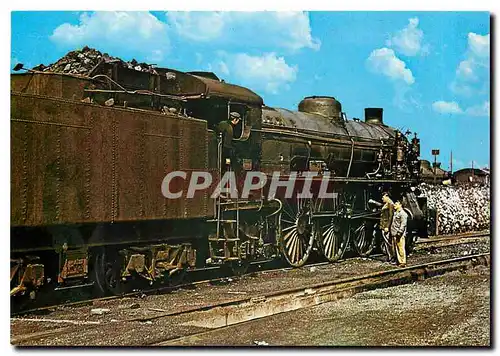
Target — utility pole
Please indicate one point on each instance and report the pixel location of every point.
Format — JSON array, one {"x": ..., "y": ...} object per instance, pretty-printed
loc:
[
  {"x": 451, "y": 161},
  {"x": 435, "y": 153}
]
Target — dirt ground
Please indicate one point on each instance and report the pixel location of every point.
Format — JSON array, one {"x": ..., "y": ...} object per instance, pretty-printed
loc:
[
  {"x": 114, "y": 327},
  {"x": 450, "y": 310}
]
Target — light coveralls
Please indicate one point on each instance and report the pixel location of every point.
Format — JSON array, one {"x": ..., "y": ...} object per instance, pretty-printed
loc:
[{"x": 398, "y": 234}]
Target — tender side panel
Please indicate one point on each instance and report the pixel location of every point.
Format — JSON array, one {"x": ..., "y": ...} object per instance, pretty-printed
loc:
[
  {"x": 100, "y": 152},
  {"x": 194, "y": 150},
  {"x": 162, "y": 144},
  {"x": 72, "y": 138},
  {"x": 74, "y": 162}
]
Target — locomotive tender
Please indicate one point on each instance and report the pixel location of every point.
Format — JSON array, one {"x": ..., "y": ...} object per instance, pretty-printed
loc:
[{"x": 89, "y": 155}]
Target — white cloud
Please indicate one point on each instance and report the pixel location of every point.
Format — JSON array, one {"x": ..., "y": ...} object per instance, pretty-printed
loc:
[
  {"x": 409, "y": 40},
  {"x": 198, "y": 26},
  {"x": 479, "y": 110},
  {"x": 290, "y": 30},
  {"x": 384, "y": 61},
  {"x": 465, "y": 70},
  {"x": 475, "y": 66},
  {"x": 452, "y": 107},
  {"x": 472, "y": 78},
  {"x": 269, "y": 72},
  {"x": 479, "y": 45},
  {"x": 117, "y": 32},
  {"x": 461, "y": 89},
  {"x": 447, "y": 107}
]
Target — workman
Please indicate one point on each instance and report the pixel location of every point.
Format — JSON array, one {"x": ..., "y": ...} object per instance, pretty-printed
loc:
[
  {"x": 385, "y": 224},
  {"x": 398, "y": 232},
  {"x": 226, "y": 128}
]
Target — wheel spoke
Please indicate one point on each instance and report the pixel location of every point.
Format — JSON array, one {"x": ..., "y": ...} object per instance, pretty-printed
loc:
[
  {"x": 290, "y": 239},
  {"x": 363, "y": 238},
  {"x": 332, "y": 245},
  {"x": 295, "y": 246},
  {"x": 332, "y": 240},
  {"x": 299, "y": 249},
  {"x": 329, "y": 240}
]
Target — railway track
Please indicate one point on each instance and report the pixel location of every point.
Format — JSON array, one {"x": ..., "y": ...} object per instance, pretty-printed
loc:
[
  {"x": 230, "y": 314},
  {"x": 255, "y": 267},
  {"x": 450, "y": 240},
  {"x": 227, "y": 315}
]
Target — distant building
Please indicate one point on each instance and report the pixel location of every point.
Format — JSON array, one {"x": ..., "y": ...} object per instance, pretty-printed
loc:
[
  {"x": 427, "y": 172},
  {"x": 472, "y": 175}
]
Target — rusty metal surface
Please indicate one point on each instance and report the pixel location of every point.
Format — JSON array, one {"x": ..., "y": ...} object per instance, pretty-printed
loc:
[
  {"x": 174, "y": 82},
  {"x": 300, "y": 121},
  {"x": 50, "y": 84},
  {"x": 322, "y": 105},
  {"x": 229, "y": 91},
  {"x": 74, "y": 162}
]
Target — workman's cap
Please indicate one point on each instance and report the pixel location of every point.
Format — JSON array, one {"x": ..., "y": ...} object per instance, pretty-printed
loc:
[{"x": 235, "y": 115}]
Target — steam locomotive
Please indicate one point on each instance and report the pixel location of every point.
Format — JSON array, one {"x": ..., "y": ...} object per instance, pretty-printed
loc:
[{"x": 90, "y": 154}]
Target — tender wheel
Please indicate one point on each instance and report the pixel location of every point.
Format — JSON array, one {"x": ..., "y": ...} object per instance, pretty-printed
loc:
[
  {"x": 296, "y": 235},
  {"x": 363, "y": 238},
  {"x": 106, "y": 272},
  {"x": 333, "y": 237}
]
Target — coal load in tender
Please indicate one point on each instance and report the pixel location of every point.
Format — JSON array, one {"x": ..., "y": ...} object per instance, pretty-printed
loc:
[
  {"x": 82, "y": 62},
  {"x": 460, "y": 208}
]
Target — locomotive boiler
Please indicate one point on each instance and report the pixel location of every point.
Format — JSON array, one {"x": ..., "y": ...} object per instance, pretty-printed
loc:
[
  {"x": 360, "y": 159},
  {"x": 89, "y": 154}
]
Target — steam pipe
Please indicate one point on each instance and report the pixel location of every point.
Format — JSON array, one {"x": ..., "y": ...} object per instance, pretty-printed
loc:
[
  {"x": 352, "y": 155},
  {"x": 278, "y": 210},
  {"x": 368, "y": 175}
]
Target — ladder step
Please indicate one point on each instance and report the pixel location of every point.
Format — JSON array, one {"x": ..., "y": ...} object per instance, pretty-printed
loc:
[
  {"x": 215, "y": 239},
  {"x": 235, "y": 202}
]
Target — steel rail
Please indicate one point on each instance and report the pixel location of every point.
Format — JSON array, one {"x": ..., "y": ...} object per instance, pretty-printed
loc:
[
  {"x": 237, "y": 311},
  {"x": 225, "y": 315},
  {"x": 419, "y": 245}
]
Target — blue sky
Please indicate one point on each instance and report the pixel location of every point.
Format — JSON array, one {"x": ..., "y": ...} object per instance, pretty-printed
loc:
[{"x": 428, "y": 70}]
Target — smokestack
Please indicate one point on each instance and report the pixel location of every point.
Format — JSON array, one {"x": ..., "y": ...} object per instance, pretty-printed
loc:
[{"x": 374, "y": 116}]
